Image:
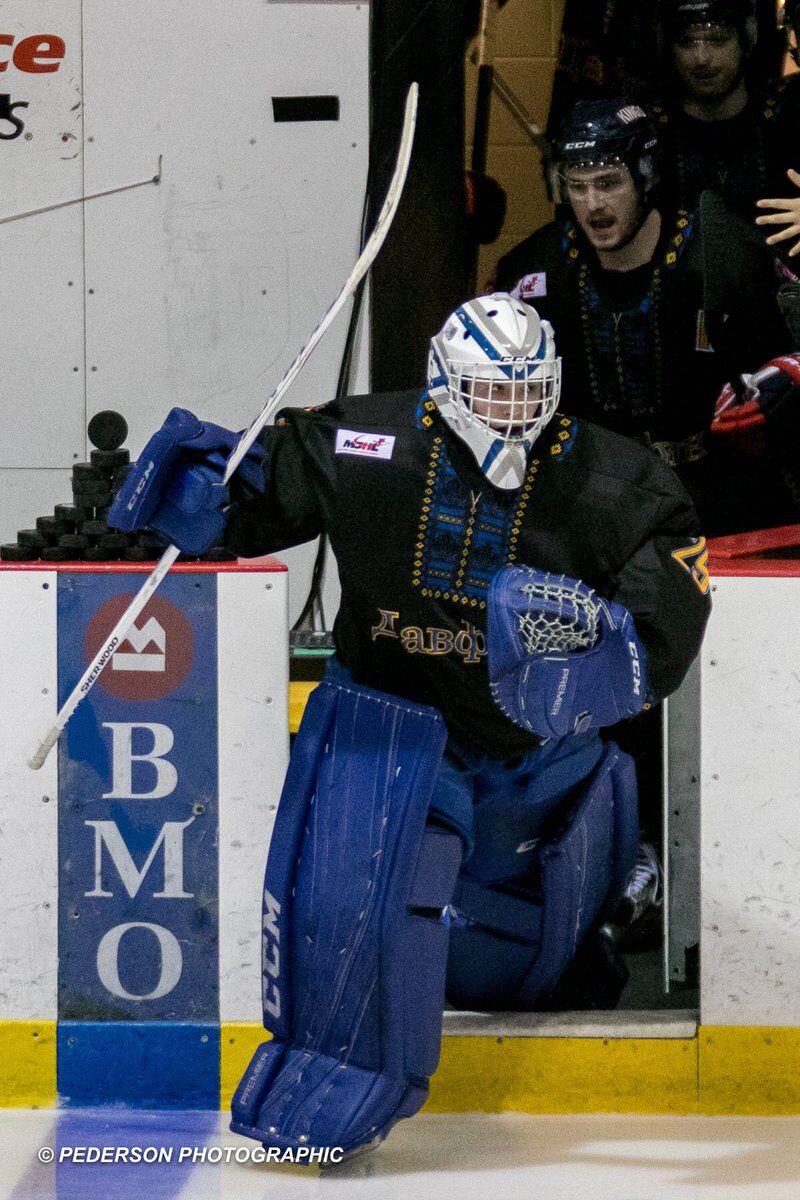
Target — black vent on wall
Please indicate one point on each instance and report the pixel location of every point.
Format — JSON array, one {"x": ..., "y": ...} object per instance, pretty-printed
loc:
[
  {"x": 305, "y": 108},
  {"x": 421, "y": 273}
]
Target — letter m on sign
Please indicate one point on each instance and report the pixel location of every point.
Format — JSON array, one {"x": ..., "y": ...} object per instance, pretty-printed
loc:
[{"x": 152, "y": 634}]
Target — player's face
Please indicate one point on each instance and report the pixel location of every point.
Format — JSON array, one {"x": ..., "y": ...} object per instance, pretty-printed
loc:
[
  {"x": 606, "y": 204},
  {"x": 708, "y": 60},
  {"x": 507, "y": 407}
]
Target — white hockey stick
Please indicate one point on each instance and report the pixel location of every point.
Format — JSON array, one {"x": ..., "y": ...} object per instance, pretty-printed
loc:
[{"x": 365, "y": 261}]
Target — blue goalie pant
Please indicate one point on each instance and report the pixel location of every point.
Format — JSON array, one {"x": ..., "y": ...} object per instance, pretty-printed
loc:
[
  {"x": 554, "y": 839},
  {"x": 364, "y": 899}
]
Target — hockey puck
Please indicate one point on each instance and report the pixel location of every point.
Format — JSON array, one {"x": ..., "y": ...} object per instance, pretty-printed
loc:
[
  {"x": 14, "y": 553},
  {"x": 151, "y": 541},
  {"x": 101, "y": 513},
  {"x": 137, "y": 554},
  {"x": 32, "y": 539},
  {"x": 101, "y": 554},
  {"x": 114, "y": 541},
  {"x": 53, "y": 527},
  {"x": 119, "y": 477},
  {"x": 93, "y": 528},
  {"x": 70, "y": 512},
  {"x": 73, "y": 541},
  {"x": 110, "y": 460},
  {"x": 107, "y": 430},
  {"x": 218, "y": 554},
  {"x": 91, "y": 487},
  {"x": 56, "y": 554},
  {"x": 94, "y": 495},
  {"x": 86, "y": 472}
]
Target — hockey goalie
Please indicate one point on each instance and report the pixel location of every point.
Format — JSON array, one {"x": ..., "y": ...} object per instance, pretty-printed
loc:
[{"x": 453, "y": 825}]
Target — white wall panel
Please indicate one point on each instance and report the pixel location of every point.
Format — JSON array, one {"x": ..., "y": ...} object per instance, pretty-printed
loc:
[
  {"x": 201, "y": 291},
  {"x": 253, "y": 673},
  {"x": 27, "y": 495},
  {"x": 28, "y": 821},
  {"x": 750, "y": 777},
  {"x": 41, "y": 309}
]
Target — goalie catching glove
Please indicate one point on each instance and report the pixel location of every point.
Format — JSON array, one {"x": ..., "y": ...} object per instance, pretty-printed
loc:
[
  {"x": 176, "y": 487},
  {"x": 561, "y": 658}
]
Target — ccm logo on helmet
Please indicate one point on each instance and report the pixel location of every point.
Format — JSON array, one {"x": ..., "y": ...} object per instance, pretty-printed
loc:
[{"x": 365, "y": 445}]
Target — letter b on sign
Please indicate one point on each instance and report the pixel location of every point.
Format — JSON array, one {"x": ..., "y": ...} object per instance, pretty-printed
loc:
[{"x": 161, "y": 740}]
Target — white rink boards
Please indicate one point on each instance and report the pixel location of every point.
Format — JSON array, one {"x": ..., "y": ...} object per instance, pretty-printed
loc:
[
  {"x": 252, "y": 741},
  {"x": 750, "y": 802}
]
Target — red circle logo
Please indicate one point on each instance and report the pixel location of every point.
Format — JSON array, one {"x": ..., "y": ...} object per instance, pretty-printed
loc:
[{"x": 155, "y": 656}]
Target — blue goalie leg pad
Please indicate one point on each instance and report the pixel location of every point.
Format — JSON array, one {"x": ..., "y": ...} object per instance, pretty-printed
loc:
[
  {"x": 355, "y": 927},
  {"x": 516, "y": 937}
]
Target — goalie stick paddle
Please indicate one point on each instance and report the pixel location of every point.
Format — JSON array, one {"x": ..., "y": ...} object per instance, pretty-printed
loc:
[{"x": 365, "y": 261}]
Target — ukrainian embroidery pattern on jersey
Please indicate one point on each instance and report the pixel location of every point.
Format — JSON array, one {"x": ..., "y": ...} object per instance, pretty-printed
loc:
[
  {"x": 564, "y": 439},
  {"x": 464, "y": 538},
  {"x": 425, "y": 410},
  {"x": 624, "y": 350},
  {"x": 629, "y": 378}
]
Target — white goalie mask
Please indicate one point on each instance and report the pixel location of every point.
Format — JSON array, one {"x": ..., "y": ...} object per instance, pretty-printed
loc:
[{"x": 495, "y": 377}]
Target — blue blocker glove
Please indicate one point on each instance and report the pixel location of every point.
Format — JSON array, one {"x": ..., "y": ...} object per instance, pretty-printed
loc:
[
  {"x": 561, "y": 658},
  {"x": 175, "y": 487}
]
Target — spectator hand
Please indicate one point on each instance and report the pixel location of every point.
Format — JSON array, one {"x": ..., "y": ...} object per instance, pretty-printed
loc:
[{"x": 787, "y": 213}]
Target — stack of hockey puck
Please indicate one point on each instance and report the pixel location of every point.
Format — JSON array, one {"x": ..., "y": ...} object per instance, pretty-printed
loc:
[{"x": 79, "y": 532}]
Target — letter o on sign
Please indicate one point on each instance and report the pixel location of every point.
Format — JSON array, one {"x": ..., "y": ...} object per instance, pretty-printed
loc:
[{"x": 108, "y": 960}]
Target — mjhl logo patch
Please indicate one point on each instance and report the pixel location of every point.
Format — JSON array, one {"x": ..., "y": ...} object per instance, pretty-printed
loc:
[{"x": 364, "y": 445}]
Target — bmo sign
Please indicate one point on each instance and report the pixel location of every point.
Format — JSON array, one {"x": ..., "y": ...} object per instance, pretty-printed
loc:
[{"x": 138, "y": 804}]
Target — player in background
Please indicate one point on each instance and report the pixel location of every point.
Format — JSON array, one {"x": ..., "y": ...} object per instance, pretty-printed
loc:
[
  {"x": 717, "y": 130},
  {"x": 514, "y": 580},
  {"x": 657, "y": 308},
  {"x": 641, "y": 323}
]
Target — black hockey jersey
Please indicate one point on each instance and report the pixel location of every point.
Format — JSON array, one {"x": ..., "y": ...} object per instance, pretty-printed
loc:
[
  {"x": 742, "y": 158},
  {"x": 418, "y": 534}
]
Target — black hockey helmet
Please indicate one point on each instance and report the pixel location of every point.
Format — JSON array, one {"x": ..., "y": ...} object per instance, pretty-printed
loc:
[
  {"x": 606, "y": 132},
  {"x": 681, "y": 15}
]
